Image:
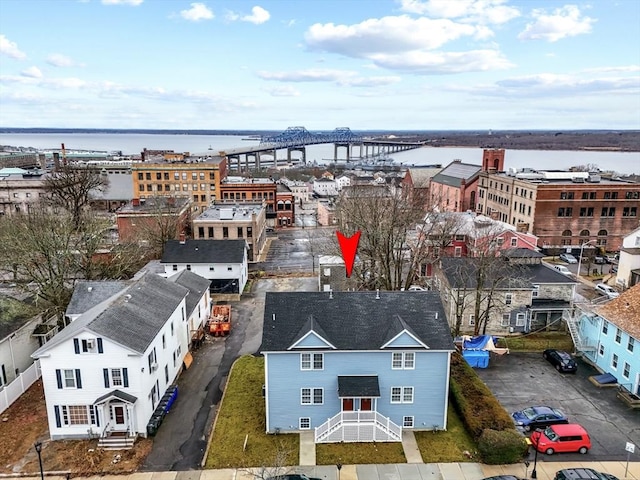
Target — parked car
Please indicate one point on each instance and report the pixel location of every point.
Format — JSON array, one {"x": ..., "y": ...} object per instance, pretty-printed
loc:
[
  {"x": 562, "y": 269},
  {"x": 605, "y": 289},
  {"x": 561, "y": 360},
  {"x": 567, "y": 257},
  {"x": 416, "y": 288},
  {"x": 538, "y": 417},
  {"x": 293, "y": 476},
  {"x": 614, "y": 269},
  {"x": 599, "y": 259},
  {"x": 569, "y": 437},
  {"x": 583, "y": 474}
]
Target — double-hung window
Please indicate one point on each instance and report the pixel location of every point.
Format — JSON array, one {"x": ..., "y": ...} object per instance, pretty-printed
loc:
[
  {"x": 311, "y": 396},
  {"x": 401, "y": 394},
  {"x": 311, "y": 361},
  {"x": 403, "y": 360}
]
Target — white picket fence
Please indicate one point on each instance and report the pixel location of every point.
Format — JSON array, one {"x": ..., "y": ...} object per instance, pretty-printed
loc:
[{"x": 12, "y": 391}]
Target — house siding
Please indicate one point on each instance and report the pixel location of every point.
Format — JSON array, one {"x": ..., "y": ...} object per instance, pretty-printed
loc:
[
  {"x": 285, "y": 379},
  {"x": 91, "y": 366},
  {"x": 592, "y": 334}
]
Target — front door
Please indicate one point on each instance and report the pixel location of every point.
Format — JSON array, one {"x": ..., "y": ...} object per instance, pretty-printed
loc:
[
  {"x": 118, "y": 417},
  {"x": 347, "y": 404},
  {"x": 365, "y": 404}
]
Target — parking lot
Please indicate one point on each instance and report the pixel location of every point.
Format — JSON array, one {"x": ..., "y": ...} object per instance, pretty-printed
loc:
[{"x": 520, "y": 380}]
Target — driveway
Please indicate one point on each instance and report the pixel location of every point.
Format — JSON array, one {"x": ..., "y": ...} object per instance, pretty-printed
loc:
[
  {"x": 182, "y": 438},
  {"x": 519, "y": 380}
]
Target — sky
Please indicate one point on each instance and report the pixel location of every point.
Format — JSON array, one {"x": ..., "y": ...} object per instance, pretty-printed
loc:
[{"x": 321, "y": 64}]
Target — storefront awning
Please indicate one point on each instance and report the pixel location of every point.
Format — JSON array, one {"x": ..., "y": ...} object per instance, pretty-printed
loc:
[{"x": 358, "y": 386}]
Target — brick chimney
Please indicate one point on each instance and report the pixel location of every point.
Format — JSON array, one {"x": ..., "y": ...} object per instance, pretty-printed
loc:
[
  {"x": 183, "y": 239},
  {"x": 135, "y": 202}
]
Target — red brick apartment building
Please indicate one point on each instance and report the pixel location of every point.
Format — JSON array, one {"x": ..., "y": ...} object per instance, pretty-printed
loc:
[
  {"x": 137, "y": 219},
  {"x": 242, "y": 189},
  {"x": 562, "y": 208}
]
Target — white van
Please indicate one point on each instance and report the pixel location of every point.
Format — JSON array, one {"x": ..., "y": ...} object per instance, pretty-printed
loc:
[{"x": 562, "y": 269}]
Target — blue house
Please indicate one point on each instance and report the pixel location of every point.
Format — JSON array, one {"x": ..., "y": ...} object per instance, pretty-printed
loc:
[
  {"x": 610, "y": 338},
  {"x": 355, "y": 366}
]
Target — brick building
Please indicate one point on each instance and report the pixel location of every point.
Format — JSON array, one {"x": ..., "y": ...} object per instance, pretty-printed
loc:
[
  {"x": 233, "y": 221},
  {"x": 562, "y": 208},
  {"x": 243, "y": 189},
  {"x": 178, "y": 176},
  {"x": 454, "y": 188},
  {"x": 285, "y": 206},
  {"x": 143, "y": 218}
]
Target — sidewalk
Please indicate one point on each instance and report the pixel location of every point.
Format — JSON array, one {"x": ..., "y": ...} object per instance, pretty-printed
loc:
[{"x": 404, "y": 471}]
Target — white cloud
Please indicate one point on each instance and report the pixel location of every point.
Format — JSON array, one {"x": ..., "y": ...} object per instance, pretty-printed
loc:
[
  {"x": 480, "y": 11},
  {"x": 133, "y": 3},
  {"x": 282, "y": 91},
  {"x": 11, "y": 49},
  {"x": 312, "y": 75},
  {"x": 197, "y": 12},
  {"x": 564, "y": 22},
  {"x": 32, "y": 72},
  {"x": 258, "y": 16},
  {"x": 626, "y": 68},
  {"x": 547, "y": 85},
  {"x": 407, "y": 44},
  {"x": 370, "y": 81},
  {"x": 59, "y": 60}
]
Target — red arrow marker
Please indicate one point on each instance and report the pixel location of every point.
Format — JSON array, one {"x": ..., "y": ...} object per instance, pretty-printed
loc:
[{"x": 349, "y": 246}]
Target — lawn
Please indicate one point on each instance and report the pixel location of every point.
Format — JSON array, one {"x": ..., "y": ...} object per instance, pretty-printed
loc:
[
  {"x": 537, "y": 342},
  {"x": 242, "y": 417},
  {"x": 449, "y": 446}
]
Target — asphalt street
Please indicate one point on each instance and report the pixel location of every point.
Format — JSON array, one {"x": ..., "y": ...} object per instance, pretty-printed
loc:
[
  {"x": 521, "y": 380},
  {"x": 182, "y": 438}
]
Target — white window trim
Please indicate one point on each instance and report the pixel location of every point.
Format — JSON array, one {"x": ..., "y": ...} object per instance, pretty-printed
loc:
[
  {"x": 505, "y": 322},
  {"x": 307, "y": 419},
  {"x": 626, "y": 368},
  {"x": 614, "y": 361},
  {"x": 312, "y": 391},
  {"x": 520, "y": 319},
  {"x": 472, "y": 319},
  {"x": 403, "y": 393},
  {"x": 407, "y": 360},
  {"x": 618, "y": 337},
  {"x": 408, "y": 421},
  {"x": 311, "y": 361}
]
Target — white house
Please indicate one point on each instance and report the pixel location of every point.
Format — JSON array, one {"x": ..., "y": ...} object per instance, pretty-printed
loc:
[
  {"x": 223, "y": 262},
  {"x": 105, "y": 373},
  {"x": 325, "y": 187},
  {"x": 629, "y": 263},
  {"x": 342, "y": 181}
]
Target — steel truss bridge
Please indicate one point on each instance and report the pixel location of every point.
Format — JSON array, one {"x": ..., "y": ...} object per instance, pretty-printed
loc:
[{"x": 295, "y": 139}]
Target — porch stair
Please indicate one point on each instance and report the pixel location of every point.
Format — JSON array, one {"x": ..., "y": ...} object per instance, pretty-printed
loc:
[
  {"x": 358, "y": 426},
  {"x": 116, "y": 441},
  {"x": 574, "y": 330}
]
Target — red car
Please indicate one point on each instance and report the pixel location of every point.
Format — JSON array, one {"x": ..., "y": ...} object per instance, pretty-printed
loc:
[{"x": 569, "y": 437}]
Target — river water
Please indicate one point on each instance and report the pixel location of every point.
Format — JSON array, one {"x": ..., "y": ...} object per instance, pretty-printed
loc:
[{"x": 622, "y": 162}]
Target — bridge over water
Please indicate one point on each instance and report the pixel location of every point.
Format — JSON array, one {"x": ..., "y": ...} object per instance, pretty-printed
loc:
[{"x": 296, "y": 139}]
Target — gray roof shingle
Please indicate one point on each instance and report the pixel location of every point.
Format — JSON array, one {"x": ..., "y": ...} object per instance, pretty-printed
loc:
[
  {"x": 131, "y": 318},
  {"x": 354, "y": 320},
  {"x": 87, "y": 294},
  {"x": 358, "y": 386},
  {"x": 204, "y": 251},
  {"x": 196, "y": 285}
]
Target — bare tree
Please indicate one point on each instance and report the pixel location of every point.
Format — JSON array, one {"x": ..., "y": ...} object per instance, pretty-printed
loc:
[
  {"x": 165, "y": 219},
  {"x": 278, "y": 466},
  {"x": 72, "y": 189}
]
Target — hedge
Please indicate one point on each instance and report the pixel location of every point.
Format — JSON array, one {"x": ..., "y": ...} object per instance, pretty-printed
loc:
[{"x": 501, "y": 447}]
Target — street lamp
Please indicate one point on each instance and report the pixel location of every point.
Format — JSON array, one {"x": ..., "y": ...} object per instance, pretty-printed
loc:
[
  {"x": 580, "y": 258},
  {"x": 534, "y": 472},
  {"x": 38, "y": 447}
]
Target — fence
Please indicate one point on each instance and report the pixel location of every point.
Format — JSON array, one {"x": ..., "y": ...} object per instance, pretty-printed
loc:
[{"x": 12, "y": 391}]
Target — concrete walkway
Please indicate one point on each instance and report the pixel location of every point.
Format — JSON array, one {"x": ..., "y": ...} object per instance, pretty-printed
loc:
[{"x": 404, "y": 471}]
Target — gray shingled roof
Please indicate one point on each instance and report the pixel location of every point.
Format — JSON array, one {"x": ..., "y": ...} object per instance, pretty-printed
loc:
[
  {"x": 196, "y": 285},
  {"x": 131, "y": 318},
  {"x": 204, "y": 251},
  {"x": 521, "y": 253},
  {"x": 461, "y": 272},
  {"x": 455, "y": 172},
  {"x": 87, "y": 294},
  {"x": 354, "y": 320},
  {"x": 358, "y": 386}
]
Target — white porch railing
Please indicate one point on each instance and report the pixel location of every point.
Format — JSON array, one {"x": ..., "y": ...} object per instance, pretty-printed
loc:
[
  {"x": 12, "y": 391},
  {"x": 573, "y": 325},
  {"x": 358, "y": 426}
]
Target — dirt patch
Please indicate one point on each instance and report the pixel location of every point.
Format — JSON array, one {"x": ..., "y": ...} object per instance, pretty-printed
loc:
[{"x": 25, "y": 422}]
